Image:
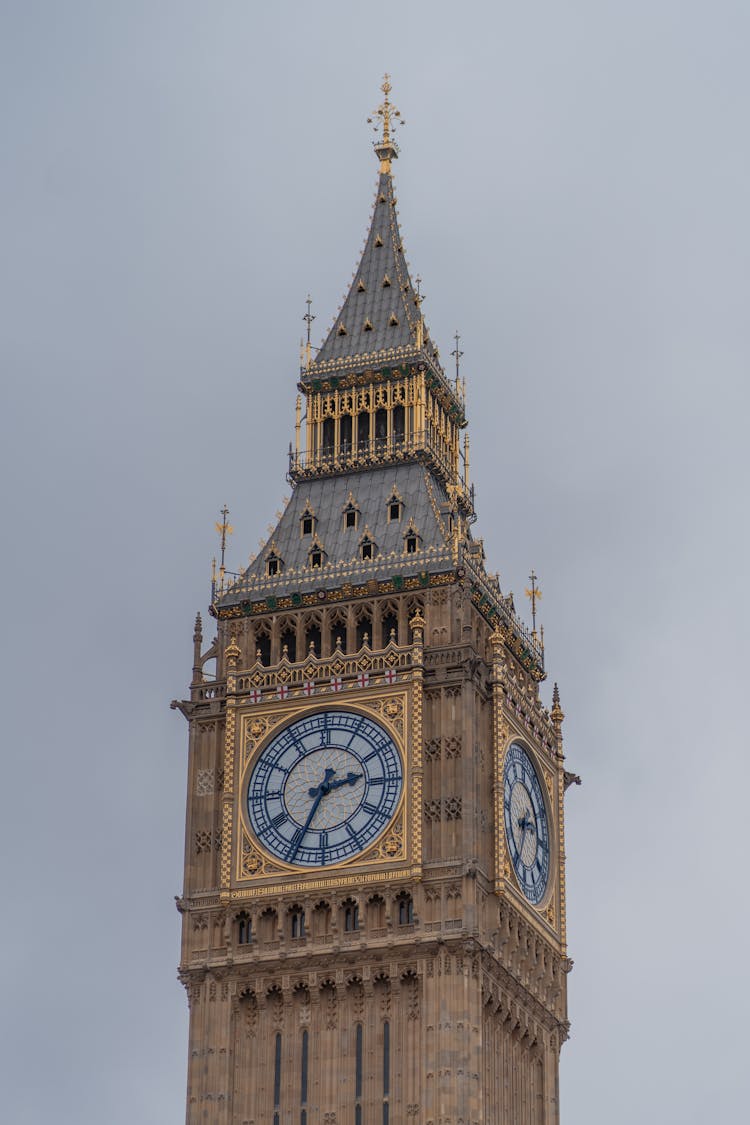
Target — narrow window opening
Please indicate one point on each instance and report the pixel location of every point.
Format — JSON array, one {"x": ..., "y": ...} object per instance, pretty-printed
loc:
[
  {"x": 386, "y": 1071},
  {"x": 263, "y": 648},
  {"x": 277, "y": 1076},
  {"x": 346, "y": 433},
  {"x": 316, "y": 558},
  {"x": 312, "y": 641},
  {"x": 303, "y": 1076},
  {"x": 367, "y": 549},
  {"x": 298, "y": 923},
  {"x": 390, "y": 629},
  {"x": 289, "y": 645},
  {"x": 411, "y": 544},
  {"x": 244, "y": 931},
  {"x": 358, "y": 1076},
  {"x": 328, "y": 435},
  {"x": 274, "y": 565},
  {"x": 405, "y": 910},
  {"x": 307, "y": 525},
  {"x": 363, "y": 429},
  {"x": 350, "y": 518},
  {"x": 381, "y": 426},
  {"x": 399, "y": 419},
  {"x": 394, "y": 510},
  {"x": 351, "y": 917},
  {"x": 364, "y": 632}
]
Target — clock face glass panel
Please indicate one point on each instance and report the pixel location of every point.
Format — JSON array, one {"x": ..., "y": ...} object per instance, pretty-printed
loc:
[
  {"x": 526, "y": 824},
  {"x": 324, "y": 788}
]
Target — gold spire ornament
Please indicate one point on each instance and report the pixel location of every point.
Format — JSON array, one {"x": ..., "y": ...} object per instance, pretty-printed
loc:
[
  {"x": 387, "y": 116},
  {"x": 224, "y": 529},
  {"x": 534, "y": 594}
]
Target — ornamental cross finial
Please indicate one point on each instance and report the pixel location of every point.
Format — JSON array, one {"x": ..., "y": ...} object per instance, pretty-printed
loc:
[
  {"x": 308, "y": 318},
  {"x": 389, "y": 118},
  {"x": 534, "y": 594},
  {"x": 224, "y": 529},
  {"x": 457, "y": 353}
]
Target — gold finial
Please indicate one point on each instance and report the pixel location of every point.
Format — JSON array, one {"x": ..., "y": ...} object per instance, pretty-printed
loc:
[
  {"x": 224, "y": 529},
  {"x": 534, "y": 594},
  {"x": 556, "y": 714},
  {"x": 308, "y": 318},
  {"x": 417, "y": 624},
  {"x": 386, "y": 148},
  {"x": 457, "y": 353},
  {"x": 232, "y": 652}
]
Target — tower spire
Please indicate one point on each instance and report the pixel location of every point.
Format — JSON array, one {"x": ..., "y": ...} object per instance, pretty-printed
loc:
[{"x": 388, "y": 118}]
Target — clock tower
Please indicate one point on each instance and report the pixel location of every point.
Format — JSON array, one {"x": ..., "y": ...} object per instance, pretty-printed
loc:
[{"x": 373, "y": 913}]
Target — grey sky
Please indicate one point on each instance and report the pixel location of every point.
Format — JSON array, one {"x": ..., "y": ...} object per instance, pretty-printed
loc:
[{"x": 573, "y": 189}]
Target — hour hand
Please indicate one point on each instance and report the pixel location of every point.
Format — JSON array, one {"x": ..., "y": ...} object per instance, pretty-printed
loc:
[{"x": 350, "y": 779}]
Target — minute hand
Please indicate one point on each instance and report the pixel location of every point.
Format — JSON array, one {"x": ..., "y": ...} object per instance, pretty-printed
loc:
[{"x": 325, "y": 786}]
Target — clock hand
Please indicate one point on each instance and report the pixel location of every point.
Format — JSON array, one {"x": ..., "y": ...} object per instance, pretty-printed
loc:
[
  {"x": 318, "y": 793},
  {"x": 348, "y": 780},
  {"x": 522, "y": 824}
]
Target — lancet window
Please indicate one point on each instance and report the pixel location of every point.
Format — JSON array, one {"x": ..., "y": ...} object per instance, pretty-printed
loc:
[
  {"x": 405, "y": 905},
  {"x": 351, "y": 916},
  {"x": 244, "y": 929},
  {"x": 297, "y": 922}
]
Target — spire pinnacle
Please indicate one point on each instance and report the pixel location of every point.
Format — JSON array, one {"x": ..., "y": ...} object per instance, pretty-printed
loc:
[{"x": 390, "y": 118}]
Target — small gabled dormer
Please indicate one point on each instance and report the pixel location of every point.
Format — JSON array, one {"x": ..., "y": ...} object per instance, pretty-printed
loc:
[
  {"x": 412, "y": 539},
  {"x": 316, "y": 556},
  {"x": 394, "y": 505},
  {"x": 368, "y": 548},
  {"x": 308, "y": 521},
  {"x": 351, "y": 514},
  {"x": 274, "y": 562}
]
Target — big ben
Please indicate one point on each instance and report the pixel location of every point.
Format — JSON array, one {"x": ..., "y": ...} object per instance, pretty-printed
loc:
[{"x": 373, "y": 912}]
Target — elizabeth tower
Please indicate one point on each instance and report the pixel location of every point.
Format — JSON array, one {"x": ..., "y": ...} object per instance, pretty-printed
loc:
[{"x": 373, "y": 914}]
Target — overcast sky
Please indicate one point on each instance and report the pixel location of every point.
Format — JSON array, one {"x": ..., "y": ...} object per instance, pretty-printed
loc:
[{"x": 573, "y": 189}]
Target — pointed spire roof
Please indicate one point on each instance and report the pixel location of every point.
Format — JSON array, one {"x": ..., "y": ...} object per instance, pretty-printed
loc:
[{"x": 380, "y": 321}]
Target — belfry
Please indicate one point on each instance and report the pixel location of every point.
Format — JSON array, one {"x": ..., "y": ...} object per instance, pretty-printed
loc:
[{"x": 373, "y": 912}]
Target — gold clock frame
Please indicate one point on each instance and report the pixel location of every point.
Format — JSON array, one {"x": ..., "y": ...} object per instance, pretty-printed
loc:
[{"x": 396, "y": 853}]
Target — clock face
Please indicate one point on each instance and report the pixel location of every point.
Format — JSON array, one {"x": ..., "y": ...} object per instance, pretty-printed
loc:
[
  {"x": 324, "y": 788},
  {"x": 526, "y": 825}
]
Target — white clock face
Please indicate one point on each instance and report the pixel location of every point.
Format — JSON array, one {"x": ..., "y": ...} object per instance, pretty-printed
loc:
[
  {"x": 526, "y": 824},
  {"x": 324, "y": 788}
]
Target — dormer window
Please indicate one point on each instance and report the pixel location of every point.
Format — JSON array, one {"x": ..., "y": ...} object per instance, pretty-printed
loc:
[
  {"x": 350, "y": 517},
  {"x": 316, "y": 554},
  {"x": 307, "y": 521},
  {"x": 367, "y": 326},
  {"x": 274, "y": 565},
  {"x": 368, "y": 548},
  {"x": 394, "y": 505},
  {"x": 412, "y": 539}
]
